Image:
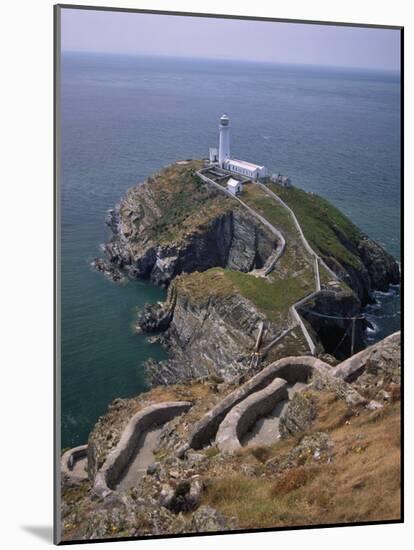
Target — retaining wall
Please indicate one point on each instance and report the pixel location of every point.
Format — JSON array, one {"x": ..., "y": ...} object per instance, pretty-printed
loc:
[
  {"x": 118, "y": 459},
  {"x": 243, "y": 416},
  {"x": 292, "y": 369},
  {"x": 68, "y": 461}
]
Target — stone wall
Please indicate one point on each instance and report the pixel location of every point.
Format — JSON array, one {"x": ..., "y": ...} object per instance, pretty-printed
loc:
[
  {"x": 118, "y": 459},
  {"x": 68, "y": 462},
  {"x": 292, "y": 369},
  {"x": 243, "y": 416}
]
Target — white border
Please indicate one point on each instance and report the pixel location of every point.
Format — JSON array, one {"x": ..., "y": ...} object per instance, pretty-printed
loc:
[{"x": 27, "y": 254}]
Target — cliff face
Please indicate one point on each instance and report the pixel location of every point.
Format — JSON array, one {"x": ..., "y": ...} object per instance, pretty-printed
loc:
[
  {"x": 371, "y": 268},
  {"x": 231, "y": 240},
  {"x": 329, "y": 314},
  {"x": 209, "y": 337},
  {"x": 207, "y": 230}
]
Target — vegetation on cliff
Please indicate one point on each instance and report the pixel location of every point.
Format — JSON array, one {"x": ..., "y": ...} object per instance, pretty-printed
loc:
[
  {"x": 178, "y": 203},
  {"x": 271, "y": 296}
]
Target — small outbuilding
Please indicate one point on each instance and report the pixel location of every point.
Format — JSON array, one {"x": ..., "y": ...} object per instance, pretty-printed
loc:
[
  {"x": 213, "y": 155},
  {"x": 234, "y": 186}
]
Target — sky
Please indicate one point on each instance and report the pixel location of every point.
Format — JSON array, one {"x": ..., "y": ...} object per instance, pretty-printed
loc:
[{"x": 201, "y": 37}]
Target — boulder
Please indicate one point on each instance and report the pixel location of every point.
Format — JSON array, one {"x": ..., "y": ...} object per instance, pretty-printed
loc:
[
  {"x": 298, "y": 416},
  {"x": 184, "y": 498}
]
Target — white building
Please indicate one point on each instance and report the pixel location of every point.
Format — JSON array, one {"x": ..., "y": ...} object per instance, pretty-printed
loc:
[
  {"x": 247, "y": 169},
  {"x": 213, "y": 155},
  {"x": 235, "y": 187}
]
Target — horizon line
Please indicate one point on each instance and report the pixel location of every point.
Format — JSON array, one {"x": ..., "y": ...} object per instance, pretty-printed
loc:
[{"x": 229, "y": 59}]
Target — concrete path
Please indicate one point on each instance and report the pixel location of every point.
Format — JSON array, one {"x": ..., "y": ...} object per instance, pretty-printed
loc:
[
  {"x": 80, "y": 467},
  {"x": 266, "y": 429},
  {"x": 144, "y": 456},
  {"x": 272, "y": 260}
]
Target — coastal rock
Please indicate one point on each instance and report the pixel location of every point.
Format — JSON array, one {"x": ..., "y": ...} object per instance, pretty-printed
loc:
[
  {"x": 209, "y": 337},
  {"x": 372, "y": 268},
  {"x": 383, "y": 270},
  {"x": 330, "y": 314},
  {"x": 108, "y": 268}
]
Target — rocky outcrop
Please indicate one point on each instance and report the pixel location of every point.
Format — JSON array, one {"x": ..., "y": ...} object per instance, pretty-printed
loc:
[
  {"x": 317, "y": 447},
  {"x": 382, "y": 269},
  {"x": 381, "y": 360},
  {"x": 232, "y": 239},
  {"x": 375, "y": 372},
  {"x": 207, "y": 520},
  {"x": 209, "y": 337},
  {"x": 298, "y": 416}
]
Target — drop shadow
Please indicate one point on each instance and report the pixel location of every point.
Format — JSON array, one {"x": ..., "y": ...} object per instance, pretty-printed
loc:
[{"x": 43, "y": 532}]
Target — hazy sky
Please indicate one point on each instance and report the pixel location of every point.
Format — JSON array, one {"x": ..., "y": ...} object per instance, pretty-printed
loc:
[{"x": 150, "y": 34}]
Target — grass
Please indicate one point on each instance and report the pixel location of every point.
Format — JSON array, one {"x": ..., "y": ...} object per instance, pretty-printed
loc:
[
  {"x": 292, "y": 280},
  {"x": 272, "y": 296},
  {"x": 270, "y": 209},
  {"x": 361, "y": 484},
  {"x": 293, "y": 343},
  {"x": 322, "y": 223},
  {"x": 179, "y": 202}
]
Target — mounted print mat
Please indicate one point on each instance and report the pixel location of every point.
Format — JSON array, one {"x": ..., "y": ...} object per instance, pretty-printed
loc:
[{"x": 228, "y": 204}]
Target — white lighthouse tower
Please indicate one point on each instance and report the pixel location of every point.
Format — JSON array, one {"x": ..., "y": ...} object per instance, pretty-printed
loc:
[{"x": 224, "y": 142}]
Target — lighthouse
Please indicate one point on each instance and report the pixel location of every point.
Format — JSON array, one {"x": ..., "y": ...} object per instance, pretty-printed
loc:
[{"x": 224, "y": 142}]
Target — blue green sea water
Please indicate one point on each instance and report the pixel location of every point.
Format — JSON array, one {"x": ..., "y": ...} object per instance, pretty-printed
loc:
[{"x": 333, "y": 131}]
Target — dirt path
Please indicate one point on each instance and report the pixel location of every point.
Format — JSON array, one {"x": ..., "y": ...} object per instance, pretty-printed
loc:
[
  {"x": 144, "y": 456},
  {"x": 266, "y": 429},
  {"x": 79, "y": 468}
]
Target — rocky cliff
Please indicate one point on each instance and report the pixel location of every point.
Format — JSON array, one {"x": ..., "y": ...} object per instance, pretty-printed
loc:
[
  {"x": 174, "y": 224},
  {"x": 180, "y": 232}
]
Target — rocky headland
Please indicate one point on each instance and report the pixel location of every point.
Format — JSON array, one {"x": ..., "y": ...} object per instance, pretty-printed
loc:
[{"x": 182, "y": 233}]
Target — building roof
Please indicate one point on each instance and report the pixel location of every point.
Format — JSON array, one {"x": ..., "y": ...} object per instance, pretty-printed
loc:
[
  {"x": 232, "y": 182},
  {"x": 244, "y": 164}
]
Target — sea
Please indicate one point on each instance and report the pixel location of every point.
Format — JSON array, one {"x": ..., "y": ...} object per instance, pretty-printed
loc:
[{"x": 334, "y": 131}]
